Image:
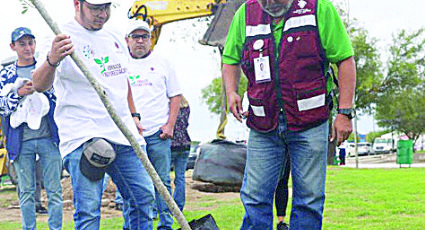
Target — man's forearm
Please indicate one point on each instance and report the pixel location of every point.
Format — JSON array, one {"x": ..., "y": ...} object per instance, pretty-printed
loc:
[
  {"x": 231, "y": 77},
  {"x": 347, "y": 82},
  {"x": 43, "y": 77},
  {"x": 174, "y": 110}
]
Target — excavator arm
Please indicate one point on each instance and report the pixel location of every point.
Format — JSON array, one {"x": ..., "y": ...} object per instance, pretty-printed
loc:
[{"x": 160, "y": 12}]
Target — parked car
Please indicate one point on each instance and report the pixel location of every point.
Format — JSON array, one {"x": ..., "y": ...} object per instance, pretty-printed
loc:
[
  {"x": 363, "y": 149},
  {"x": 384, "y": 145},
  {"x": 193, "y": 155}
]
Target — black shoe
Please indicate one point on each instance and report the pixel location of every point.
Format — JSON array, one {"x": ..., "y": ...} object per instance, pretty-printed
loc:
[
  {"x": 118, "y": 207},
  {"x": 282, "y": 226},
  {"x": 40, "y": 209}
]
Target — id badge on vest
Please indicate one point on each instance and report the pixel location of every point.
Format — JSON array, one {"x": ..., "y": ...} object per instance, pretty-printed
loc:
[{"x": 262, "y": 69}]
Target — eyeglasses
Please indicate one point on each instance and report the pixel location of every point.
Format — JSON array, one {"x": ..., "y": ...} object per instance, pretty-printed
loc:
[
  {"x": 97, "y": 9},
  {"x": 138, "y": 36}
]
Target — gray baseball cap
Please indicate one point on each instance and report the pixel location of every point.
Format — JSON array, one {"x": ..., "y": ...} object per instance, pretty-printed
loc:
[{"x": 97, "y": 155}]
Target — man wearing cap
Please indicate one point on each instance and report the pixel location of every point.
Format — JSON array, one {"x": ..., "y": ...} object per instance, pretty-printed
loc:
[
  {"x": 91, "y": 143},
  {"x": 30, "y": 130},
  {"x": 157, "y": 96}
]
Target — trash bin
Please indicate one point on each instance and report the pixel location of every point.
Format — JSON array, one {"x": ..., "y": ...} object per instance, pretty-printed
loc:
[{"x": 404, "y": 152}]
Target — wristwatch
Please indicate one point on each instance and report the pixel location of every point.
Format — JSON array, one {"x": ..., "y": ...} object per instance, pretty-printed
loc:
[
  {"x": 350, "y": 113},
  {"x": 136, "y": 115},
  {"x": 51, "y": 64}
]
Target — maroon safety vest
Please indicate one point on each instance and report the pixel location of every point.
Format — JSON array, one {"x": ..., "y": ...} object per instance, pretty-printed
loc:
[{"x": 298, "y": 86}]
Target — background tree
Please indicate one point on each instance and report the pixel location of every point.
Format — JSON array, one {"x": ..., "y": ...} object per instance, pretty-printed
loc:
[
  {"x": 212, "y": 96},
  {"x": 401, "y": 104},
  {"x": 370, "y": 137},
  {"x": 368, "y": 70},
  {"x": 368, "y": 63}
]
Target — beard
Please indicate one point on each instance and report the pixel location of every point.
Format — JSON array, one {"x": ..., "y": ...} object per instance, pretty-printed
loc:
[
  {"x": 91, "y": 22},
  {"x": 276, "y": 10}
]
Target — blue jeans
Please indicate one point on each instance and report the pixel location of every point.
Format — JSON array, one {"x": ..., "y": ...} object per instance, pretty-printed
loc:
[
  {"x": 265, "y": 162},
  {"x": 159, "y": 154},
  {"x": 129, "y": 176},
  {"x": 38, "y": 182},
  {"x": 51, "y": 164},
  {"x": 179, "y": 158},
  {"x": 118, "y": 197}
]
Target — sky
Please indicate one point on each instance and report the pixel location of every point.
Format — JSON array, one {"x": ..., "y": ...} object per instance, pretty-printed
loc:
[{"x": 197, "y": 65}]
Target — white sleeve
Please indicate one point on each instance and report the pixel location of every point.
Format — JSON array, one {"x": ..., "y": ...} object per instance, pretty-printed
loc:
[{"x": 173, "y": 86}]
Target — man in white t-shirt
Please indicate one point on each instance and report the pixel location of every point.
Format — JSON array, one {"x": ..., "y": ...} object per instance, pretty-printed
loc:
[
  {"x": 157, "y": 96},
  {"x": 90, "y": 141}
]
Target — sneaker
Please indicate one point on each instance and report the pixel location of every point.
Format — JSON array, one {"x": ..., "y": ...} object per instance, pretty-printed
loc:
[
  {"x": 282, "y": 226},
  {"x": 40, "y": 209}
]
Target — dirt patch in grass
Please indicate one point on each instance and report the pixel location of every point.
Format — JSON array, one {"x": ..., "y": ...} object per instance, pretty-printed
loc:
[
  {"x": 10, "y": 211},
  {"x": 194, "y": 197}
]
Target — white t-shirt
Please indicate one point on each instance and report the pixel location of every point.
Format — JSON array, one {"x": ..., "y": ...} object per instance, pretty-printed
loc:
[
  {"x": 80, "y": 113},
  {"x": 153, "y": 81}
]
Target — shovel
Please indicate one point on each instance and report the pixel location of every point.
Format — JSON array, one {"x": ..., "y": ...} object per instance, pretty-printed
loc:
[{"x": 205, "y": 223}]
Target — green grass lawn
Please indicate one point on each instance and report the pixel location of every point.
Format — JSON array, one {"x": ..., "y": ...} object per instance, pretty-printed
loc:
[
  {"x": 375, "y": 198},
  {"x": 355, "y": 199}
]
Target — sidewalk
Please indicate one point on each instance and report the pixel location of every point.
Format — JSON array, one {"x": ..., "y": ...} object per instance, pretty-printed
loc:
[
  {"x": 383, "y": 165},
  {"x": 385, "y": 161}
]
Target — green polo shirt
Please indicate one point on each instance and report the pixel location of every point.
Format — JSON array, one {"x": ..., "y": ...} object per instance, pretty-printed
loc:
[{"x": 332, "y": 32}]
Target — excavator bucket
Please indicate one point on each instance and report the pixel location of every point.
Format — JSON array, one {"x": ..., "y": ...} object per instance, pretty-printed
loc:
[{"x": 216, "y": 33}]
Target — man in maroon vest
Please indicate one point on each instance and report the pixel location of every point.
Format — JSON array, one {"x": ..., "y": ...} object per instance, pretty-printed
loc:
[{"x": 284, "y": 48}]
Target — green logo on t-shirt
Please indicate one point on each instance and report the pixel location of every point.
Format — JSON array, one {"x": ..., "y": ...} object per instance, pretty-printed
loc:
[
  {"x": 101, "y": 62},
  {"x": 133, "y": 79}
]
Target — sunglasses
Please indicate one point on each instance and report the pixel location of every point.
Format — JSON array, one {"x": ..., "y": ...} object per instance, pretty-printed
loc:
[{"x": 138, "y": 36}]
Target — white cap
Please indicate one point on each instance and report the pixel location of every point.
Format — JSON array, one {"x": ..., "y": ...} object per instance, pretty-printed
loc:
[
  {"x": 138, "y": 25},
  {"x": 98, "y": 2}
]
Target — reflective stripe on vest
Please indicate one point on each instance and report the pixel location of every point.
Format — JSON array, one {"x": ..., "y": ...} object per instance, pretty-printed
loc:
[
  {"x": 257, "y": 30},
  {"x": 306, "y": 20}
]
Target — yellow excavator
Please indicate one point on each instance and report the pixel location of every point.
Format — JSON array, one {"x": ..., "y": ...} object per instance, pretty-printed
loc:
[{"x": 160, "y": 12}]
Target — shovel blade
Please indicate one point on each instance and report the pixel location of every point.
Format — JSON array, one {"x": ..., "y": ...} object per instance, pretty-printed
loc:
[{"x": 204, "y": 223}]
